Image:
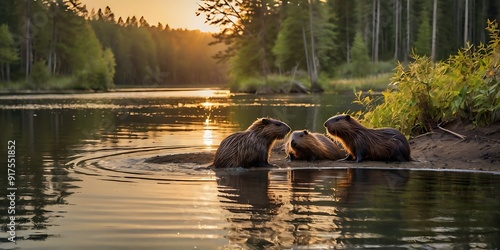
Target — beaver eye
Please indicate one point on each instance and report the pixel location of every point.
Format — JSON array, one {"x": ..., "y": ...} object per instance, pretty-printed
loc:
[
  {"x": 301, "y": 135},
  {"x": 278, "y": 124},
  {"x": 338, "y": 119}
]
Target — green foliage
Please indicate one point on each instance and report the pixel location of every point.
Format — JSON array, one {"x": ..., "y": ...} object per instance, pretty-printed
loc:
[
  {"x": 99, "y": 72},
  {"x": 98, "y": 66},
  {"x": 378, "y": 82},
  {"x": 270, "y": 84},
  {"x": 324, "y": 33},
  {"x": 71, "y": 41},
  {"x": 466, "y": 86},
  {"x": 403, "y": 26},
  {"x": 423, "y": 43},
  {"x": 290, "y": 41},
  {"x": 243, "y": 63},
  {"x": 362, "y": 70},
  {"x": 258, "y": 38},
  {"x": 158, "y": 56},
  {"x": 359, "y": 56},
  {"x": 8, "y": 53},
  {"x": 40, "y": 75}
]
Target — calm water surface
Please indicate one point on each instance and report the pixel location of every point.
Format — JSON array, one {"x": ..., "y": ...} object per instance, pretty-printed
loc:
[{"x": 81, "y": 181}]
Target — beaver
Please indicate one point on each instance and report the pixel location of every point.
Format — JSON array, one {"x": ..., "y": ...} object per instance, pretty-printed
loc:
[
  {"x": 304, "y": 145},
  {"x": 250, "y": 148},
  {"x": 385, "y": 144}
]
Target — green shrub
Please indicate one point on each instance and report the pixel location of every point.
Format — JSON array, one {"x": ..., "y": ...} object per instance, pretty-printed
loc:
[
  {"x": 99, "y": 72},
  {"x": 466, "y": 86},
  {"x": 40, "y": 75}
]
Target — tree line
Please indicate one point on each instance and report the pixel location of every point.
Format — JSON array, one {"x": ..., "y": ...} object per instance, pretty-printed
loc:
[
  {"x": 40, "y": 40},
  {"x": 274, "y": 36},
  {"x": 43, "y": 40}
]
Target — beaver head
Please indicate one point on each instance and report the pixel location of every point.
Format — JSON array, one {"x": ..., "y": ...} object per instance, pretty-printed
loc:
[
  {"x": 269, "y": 128},
  {"x": 342, "y": 124},
  {"x": 297, "y": 136}
]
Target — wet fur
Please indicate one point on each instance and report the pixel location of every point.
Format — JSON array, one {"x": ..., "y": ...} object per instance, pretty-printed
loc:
[
  {"x": 304, "y": 145},
  {"x": 252, "y": 147},
  {"x": 361, "y": 143}
]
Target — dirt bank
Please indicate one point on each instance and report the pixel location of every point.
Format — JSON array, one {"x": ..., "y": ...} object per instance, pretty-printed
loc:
[{"x": 479, "y": 150}]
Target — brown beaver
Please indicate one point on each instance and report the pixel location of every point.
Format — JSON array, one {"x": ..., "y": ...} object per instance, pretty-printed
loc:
[
  {"x": 304, "y": 145},
  {"x": 386, "y": 144},
  {"x": 250, "y": 148}
]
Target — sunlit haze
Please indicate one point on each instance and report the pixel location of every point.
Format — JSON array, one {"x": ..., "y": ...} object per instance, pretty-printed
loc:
[{"x": 175, "y": 13}]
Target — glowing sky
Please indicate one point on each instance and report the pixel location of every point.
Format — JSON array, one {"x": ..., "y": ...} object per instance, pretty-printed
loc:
[{"x": 175, "y": 13}]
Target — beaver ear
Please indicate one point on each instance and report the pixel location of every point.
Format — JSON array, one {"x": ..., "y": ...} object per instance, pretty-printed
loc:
[
  {"x": 265, "y": 121},
  {"x": 305, "y": 132},
  {"x": 347, "y": 117}
]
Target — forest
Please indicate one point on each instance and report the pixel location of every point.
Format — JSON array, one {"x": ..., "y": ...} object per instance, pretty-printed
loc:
[
  {"x": 342, "y": 37},
  {"x": 49, "y": 41}
]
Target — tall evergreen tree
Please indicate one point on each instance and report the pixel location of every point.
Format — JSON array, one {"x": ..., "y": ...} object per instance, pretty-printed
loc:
[
  {"x": 289, "y": 47},
  {"x": 325, "y": 33},
  {"x": 423, "y": 42},
  {"x": 8, "y": 53},
  {"x": 95, "y": 67},
  {"x": 359, "y": 55},
  {"x": 109, "y": 16},
  {"x": 345, "y": 17}
]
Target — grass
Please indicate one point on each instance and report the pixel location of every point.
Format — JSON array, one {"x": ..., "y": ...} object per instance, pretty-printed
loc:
[
  {"x": 63, "y": 83},
  {"x": 347, "y": 78},
  {"x": 66, "y": 83},
  {"x": 377, "y": 82}
]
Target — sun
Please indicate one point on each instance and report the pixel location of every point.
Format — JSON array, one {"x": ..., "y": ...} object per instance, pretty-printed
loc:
[{"x": 198, "y": 23}]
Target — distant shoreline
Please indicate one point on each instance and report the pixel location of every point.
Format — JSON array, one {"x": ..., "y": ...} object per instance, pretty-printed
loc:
[{"x": 120, "y": 89}]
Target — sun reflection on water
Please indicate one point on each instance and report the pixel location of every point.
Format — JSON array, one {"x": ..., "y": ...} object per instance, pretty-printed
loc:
[
  {"x": 209, "y": 106},
  {"x": 208, "y": 137}
]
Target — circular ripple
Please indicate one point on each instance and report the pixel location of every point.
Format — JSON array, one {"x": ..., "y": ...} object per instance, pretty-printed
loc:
[{"x": 160, "y": 164}]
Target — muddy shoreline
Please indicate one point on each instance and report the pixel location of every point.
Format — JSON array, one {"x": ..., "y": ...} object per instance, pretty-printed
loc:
[{"x": 478, "y": 151}]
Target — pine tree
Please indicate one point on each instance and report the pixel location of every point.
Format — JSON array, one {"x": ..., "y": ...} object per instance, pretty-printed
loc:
[
  {"x": 345, "y": 20},
  {"x": 109, "y": 15},
  {"x": 289, "y": 48},
  {"x": 359, "y": 56},
  {"x": 143, "y": 22},
  {"x": 326, "y": 34},
  {"x": 294, "y": 36},
  {"x": 423, "y": 42},
  {"x": 8, "y": 53},
  {"x": 96, "y": 66}
]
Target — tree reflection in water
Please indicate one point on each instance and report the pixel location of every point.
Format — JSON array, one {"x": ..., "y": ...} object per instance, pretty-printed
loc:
[{"x": 286, "y": 208}]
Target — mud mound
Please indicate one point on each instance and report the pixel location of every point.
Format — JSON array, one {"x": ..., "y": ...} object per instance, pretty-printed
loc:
[{"x": 196, "y": 158}]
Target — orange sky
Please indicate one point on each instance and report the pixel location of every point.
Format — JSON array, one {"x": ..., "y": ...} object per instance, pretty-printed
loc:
[{"x": 175, "y": 13}]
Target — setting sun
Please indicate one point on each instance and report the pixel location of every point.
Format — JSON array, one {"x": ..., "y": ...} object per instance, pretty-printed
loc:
[{"x": 177, "y": 14}]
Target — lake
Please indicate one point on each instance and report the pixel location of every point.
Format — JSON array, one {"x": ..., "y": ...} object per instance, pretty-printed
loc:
[{"x": 80, "y": 181}]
